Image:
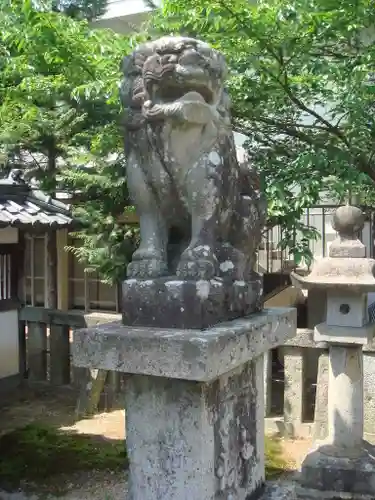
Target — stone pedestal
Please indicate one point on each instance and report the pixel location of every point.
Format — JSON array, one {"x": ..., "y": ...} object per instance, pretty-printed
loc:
[
  {"x": 333, "y": 474},
  {"x": 174, "y": 303},
  {"x": 194, "y": 403}
]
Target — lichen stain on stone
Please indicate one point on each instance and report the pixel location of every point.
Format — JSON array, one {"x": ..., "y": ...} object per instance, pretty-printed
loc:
[
  {"x": 214, "y": 158},
  {"x": 226, "y": 266},
  {"x": 191, "y": 351},
  {"x": 353, "y": 365},
  {"x": 203, "y": 289},
  {"x": 174, "y": 283},
  {"x": 239, "y": 283},
  {"x": 232, "y": 400}
]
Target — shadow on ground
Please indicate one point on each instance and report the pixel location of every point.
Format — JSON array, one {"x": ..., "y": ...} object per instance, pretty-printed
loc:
[
  {"x": 41, "y": 450},
  {"x": 42, "y": 455}
]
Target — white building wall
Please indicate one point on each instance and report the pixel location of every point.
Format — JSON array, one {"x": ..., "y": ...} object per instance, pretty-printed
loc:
[
  {"x": 121, "y": 8},
  {"x": 123, "y": 16}
]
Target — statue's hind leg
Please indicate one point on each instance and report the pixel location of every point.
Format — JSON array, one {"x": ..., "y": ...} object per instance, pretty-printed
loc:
[{"x": 199, "y": 261}]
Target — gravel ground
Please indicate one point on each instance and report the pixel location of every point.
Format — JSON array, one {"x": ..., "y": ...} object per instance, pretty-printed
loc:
[{"x": 117, "y": 490}]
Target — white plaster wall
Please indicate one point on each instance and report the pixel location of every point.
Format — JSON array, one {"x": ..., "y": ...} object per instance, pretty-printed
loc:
[
  {"x": 8, "y": 235},
  {"x": 9, "y": 346}
]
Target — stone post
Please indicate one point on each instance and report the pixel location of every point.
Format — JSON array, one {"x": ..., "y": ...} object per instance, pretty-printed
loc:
[
  {"x": 293, "y": 390},
  {"x": 342, "y": 466},
  {"x": 321, "y": 398},
  {"x": 267, "y": 382},
  {"x": 194, "y": 402},
  {"x": 345, "y": 403}
]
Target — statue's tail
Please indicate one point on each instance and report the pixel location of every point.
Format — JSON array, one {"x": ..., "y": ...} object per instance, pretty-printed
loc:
[{"x": 251, "y": 213}]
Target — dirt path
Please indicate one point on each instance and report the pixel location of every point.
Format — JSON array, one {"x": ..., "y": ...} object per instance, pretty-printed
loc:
[
  {"x": 109, "y": 425},
  {"x": 58, "y": 410},
  {"x": 295, "y": 451}
]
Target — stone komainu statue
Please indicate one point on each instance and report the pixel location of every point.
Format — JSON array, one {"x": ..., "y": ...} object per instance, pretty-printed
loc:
[{"x": 201, "y": 213}]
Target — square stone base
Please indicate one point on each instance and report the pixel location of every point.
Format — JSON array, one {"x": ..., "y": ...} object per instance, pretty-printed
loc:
[
  {"x": 291, "y": 490},
  {"x": 330, "y": 473},
  {"x": 172, "y": 303},
  {"x": 311, "y": 494}
]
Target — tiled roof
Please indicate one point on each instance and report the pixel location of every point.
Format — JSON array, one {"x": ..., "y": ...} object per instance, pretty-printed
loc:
[{"x": 23, "y": 207}]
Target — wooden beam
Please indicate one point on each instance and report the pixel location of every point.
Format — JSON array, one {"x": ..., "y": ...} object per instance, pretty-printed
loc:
[{"x": 52, "y": 316}]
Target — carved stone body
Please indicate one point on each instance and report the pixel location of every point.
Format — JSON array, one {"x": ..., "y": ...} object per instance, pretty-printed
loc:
[{"x": 201, "y": 213}]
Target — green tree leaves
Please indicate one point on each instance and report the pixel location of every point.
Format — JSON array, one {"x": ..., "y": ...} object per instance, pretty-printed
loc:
[
  {"x": 300, "y": 92},
  {"x": 299, "y": 83},
  {"x": 60, "y": 119}
]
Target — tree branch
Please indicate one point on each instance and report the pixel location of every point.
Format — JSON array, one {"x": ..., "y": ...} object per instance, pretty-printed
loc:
[
  {"x": 267, "y": 141},
  {"x": 331, "y": 128}
]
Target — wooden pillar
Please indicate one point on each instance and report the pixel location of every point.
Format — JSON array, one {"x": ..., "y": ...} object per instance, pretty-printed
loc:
[
  {"x": 51, "y": 270},
  {"x": 62, "y": 270},
  {"x": 18, "y": 267}
]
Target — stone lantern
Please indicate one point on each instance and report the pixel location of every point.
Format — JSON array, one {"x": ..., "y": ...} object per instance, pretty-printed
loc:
[{"x": 343, "y": 466}]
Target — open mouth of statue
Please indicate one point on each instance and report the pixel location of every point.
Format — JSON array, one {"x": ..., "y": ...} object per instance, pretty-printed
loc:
[{"x": 168, "y": 93}]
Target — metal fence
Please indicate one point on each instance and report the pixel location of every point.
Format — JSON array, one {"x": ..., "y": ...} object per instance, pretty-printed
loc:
[{"x": 272, "y": 259}]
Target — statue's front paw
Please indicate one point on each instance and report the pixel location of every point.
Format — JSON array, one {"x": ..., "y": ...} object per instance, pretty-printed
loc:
[
  {"x": 196, "y": 269},
  {"x": 146, "y": 269},
  {"x": 198, "y": 263}
]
